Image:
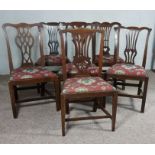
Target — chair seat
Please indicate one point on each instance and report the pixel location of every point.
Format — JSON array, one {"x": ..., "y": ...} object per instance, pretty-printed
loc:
[
  {"x": 93, "y": 70},
  {"x": 52, "y": 60},
  {"x": 127, "y": 69},
  {"x": 27, "y": 73},
  {"x": 108, "y": 60},
  {"x": 86, "y": 85}
]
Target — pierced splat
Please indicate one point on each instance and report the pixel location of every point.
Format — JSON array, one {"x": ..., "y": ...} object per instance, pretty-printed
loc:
[
  {"x": 25, "y": 42},
  {"x": 53, "y": 40},
  {"x": 130, "y": 50},
  {"x": 107, "y": 27},
  {"x": 81, "y": 58},
  {"x": 107, "y": 30}
]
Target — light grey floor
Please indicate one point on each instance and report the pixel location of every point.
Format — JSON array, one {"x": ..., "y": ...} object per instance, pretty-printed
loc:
[{"x": 40, "y": 123}]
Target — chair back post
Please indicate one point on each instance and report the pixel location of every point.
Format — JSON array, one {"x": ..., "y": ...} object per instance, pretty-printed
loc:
[
  {"x": 101, "y": 53},
  {"x": 65, "y": 25},
  {"x": 116, "y": 47},
  {"x": 146, "y": 47},
  {"x": 4, "y": 26},
  {"x": 41, "y": 45},
  {"x": 63, "y": 50},
  {"x": 94, "y": 25}
]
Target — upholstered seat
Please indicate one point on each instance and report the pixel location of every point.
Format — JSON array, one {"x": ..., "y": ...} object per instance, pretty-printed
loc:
[
  {"x": 108, "y": 60},
  {"x": 26, "y": 73},
  {"x": 86, "y": 84},
  {"x": 127, "y": 69}
]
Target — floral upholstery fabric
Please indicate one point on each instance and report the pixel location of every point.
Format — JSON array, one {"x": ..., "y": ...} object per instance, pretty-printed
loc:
[
  {"x": 71, "y": 69},
  {"x": 87, "y": 85},
  {"x": 127, "y": 69},
  {"x": 108, "y": 60},
  {"x": 24, "y": 73},
  {"x": 52, "y": 60}
]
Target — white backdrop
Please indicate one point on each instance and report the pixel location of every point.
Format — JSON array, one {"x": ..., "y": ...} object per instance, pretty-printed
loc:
[{"x": 126, "y": 18}]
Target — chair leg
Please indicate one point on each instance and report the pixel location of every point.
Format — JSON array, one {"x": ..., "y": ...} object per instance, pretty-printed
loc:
[
  {"x": 67, "y": 108},
  {"x": 63, "y": 107},
  {"x": 144, "y": 94},
  {"x": 123, "y": 85},
  {"x": 115, "y": 82},
  {"x": 42, "y": 89},
  {"x": 13, "y": 100},
  {"x": 104, "y": 101},
  {"x": 95, "y": 105},
  {"x": 139, "y": 87},
  {"x": 114, "y": 109},
  {"x": 57, "y": 94},
  {"x": 16, "y": 93},
  {"x": 38, "y": 88}
]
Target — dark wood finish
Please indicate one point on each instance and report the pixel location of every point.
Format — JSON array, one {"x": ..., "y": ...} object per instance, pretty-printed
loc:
[
  {"x": 130, "y": 52},
  {"x": 24, "y": 39},
  {"x": 81, "y": 39}
]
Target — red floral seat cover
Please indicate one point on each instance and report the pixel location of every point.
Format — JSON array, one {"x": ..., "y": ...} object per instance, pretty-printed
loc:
[
  {"x": 93, "y": 70},
  {"x": 52, "y": 60},
  {"x": 108, "y": 60},
  {"x": 24, "y": 73},
  {"x": 127, "y": 69},
  {"x": 86, "y": 84}
]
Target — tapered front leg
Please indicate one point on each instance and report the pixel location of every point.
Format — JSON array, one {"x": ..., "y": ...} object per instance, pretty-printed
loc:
[
  {"x": 12, "y": 98},
  {"x": 114, "y": 109},
  {"x": 144, "y": 94}
]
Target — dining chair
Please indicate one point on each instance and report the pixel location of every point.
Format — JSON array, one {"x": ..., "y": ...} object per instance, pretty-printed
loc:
[
  {"x": 133, "y": 42},
  {"x": 82, "y": 85},
  {"x": 109, "y": 52},
  {"x": 24, "y": 42}
]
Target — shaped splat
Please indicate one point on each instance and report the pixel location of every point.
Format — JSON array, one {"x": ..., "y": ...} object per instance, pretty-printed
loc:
[
  {"x": 25, "y": 41},
  {"x": 131, "y": 42}
]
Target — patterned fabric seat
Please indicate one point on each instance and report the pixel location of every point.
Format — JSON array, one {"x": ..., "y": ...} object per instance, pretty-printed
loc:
[
  {"x": 127, "y": 69},
  {"x": 52, "y": 60},
  {"x": 71, "y": 69},
  {"x": 108, "y": 60},
  {"x": 26, "y": 73},
  {"x": 86, "y": 84}
]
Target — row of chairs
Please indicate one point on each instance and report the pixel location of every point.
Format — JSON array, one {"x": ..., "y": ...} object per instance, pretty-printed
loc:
[{"x": 77, "y": 57}]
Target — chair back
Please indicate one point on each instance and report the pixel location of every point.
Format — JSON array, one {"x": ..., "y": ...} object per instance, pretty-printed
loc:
[
  {"x": 81, "y": 41},
  {"x": 107, "y": 28},
  {"x": 25, "y": 41},
  {"x": 130, "y": 37},
  {"x": 52, "y": 29}
]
